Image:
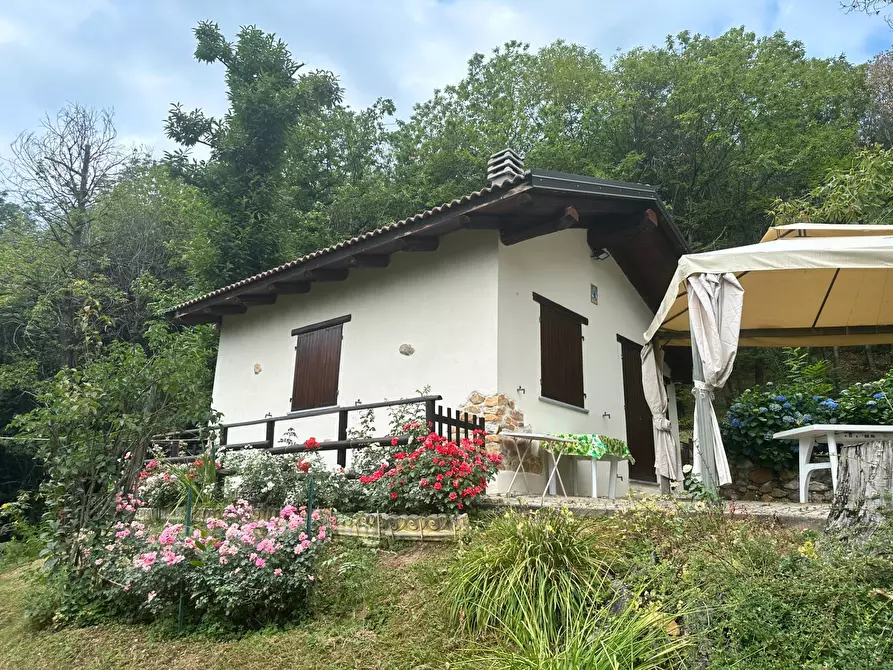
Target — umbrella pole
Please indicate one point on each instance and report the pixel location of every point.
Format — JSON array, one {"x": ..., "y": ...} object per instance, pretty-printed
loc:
[{"x": 705, "y": 461}]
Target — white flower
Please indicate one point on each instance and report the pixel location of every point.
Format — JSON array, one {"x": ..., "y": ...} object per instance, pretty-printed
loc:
[
  {"x": 686, "y": 468},
  {"x": 151, "y": 596}
]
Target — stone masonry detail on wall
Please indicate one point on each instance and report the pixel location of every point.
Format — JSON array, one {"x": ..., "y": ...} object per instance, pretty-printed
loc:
[{"x": 500, "y": 415}]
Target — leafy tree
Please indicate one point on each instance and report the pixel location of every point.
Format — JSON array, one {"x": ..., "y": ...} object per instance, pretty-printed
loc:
[
  {"x": 338, "y": 178},
  {"x": 722, "y": 126},
  {"x": 861, "y": 192},
  {"x": 533, "y": 103},
  {"x": 93, "y": 425},
  {"x": 268, "y": 99},
  {"x": 879, "y": 119}
]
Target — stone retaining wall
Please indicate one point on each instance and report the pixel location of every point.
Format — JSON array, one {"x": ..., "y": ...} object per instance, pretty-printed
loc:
[{"x": 754, "y": 482}]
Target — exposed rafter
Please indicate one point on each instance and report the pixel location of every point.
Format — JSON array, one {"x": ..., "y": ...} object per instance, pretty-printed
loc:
[
  {"x": 567, "y": 219},
  {"x": 421, "y": 244},
  {"x": 257, "y": 298},
  {"x": 289, "y": 287},
  {"x": 327, "y": 275}
]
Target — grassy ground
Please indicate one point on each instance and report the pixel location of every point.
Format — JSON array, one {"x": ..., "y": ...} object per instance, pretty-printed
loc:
[{"x": 395, "y": 623}]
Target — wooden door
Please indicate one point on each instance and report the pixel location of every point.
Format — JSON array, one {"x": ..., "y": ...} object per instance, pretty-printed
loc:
[{"x": 639, "y": 429}]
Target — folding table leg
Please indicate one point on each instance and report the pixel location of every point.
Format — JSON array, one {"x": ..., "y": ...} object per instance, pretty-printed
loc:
[
  {"x": 805, "y": 457},
  {"x": 612, "y": 479},
  {"x": 550, "y": 483},
  {"x": 594, "y": 467},
  {"x": 832, "y": 456}
]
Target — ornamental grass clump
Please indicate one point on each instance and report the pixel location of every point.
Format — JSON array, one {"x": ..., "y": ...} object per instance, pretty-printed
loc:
[
  {"x": 540, "y": 570},
  {"x": 541, "y": 585}
]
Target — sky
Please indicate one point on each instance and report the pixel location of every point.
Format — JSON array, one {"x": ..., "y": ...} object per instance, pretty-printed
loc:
[{"x": 136, "y": 56}]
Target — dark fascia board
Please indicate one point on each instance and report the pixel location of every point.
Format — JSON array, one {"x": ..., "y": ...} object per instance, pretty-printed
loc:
[{"x": 564, "y": 182}]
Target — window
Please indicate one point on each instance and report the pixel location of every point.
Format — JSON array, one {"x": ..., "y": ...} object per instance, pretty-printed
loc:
[
  {"x": 317, "y": 364},
  {"x": 561, "y": 352}
]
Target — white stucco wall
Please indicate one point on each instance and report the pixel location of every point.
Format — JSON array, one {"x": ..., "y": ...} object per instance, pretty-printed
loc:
[
  {"x": 559, "y": 267},
  {"x": 439, "y": 302}
]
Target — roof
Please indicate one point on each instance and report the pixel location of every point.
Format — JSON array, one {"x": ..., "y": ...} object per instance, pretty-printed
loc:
[{"x": 530, "y": 204}]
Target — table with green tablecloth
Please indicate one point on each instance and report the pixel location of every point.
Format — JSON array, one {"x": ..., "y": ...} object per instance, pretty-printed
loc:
[{"x": 587, "y": 445}]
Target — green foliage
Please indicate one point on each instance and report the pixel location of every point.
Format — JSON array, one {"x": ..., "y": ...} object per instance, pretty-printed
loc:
[
  {"x": 859, "y": 192},
  {"x": 722, "y": 126},
  {"x": 633, "y": 638},
  {"x": 759, "y": 596},
  {"x": 248, "y": 146},
  {"x": 806, "y": 397},
  {"x": 89, "y": 419},
  {"x": 541, "y": 570},
  {"x": 542, "y": 583},
  {"x": 756, "y": 414},
  {"x": 19, "y": 541}
]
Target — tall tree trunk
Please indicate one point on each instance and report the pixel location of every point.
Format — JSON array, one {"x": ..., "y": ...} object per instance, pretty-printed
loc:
[
  {"x": 872, "y": 361},
  {"x": 864, "y": 487}
]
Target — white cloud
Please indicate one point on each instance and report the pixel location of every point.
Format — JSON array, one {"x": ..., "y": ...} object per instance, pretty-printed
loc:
[{"x": 137, "y": 57}]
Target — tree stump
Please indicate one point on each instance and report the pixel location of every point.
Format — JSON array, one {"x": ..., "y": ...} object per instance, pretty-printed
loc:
[{"x": 864, "y": 488}]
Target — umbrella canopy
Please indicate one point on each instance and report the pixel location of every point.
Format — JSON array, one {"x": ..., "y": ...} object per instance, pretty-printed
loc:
[{"x": 807, "y": 285}]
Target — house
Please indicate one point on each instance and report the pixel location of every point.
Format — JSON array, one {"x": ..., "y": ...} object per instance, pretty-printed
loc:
[{"x": 525, "y": 301}]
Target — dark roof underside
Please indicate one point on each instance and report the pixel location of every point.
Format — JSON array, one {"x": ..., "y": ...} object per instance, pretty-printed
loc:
[{"x": 626, "y": 219}]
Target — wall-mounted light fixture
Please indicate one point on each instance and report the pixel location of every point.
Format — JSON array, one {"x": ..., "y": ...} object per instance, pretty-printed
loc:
[
  {"x": 600, "y": 254},
  {"x": 521, "y": 390},
  {"x": 606, "y": 416}
]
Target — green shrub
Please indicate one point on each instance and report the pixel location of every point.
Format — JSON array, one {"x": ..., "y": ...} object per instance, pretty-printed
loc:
[
  {"x": 758, "y": 413},
  {"x": 759, "y": 596}
]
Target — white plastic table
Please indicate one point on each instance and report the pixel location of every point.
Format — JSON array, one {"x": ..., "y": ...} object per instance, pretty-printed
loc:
[
  {"x": 834, "y": 435},
  {"x": 551, "y": 483}
]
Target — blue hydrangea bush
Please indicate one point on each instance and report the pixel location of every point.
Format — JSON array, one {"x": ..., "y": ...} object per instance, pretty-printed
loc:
[{"x": 758, "y": 413}]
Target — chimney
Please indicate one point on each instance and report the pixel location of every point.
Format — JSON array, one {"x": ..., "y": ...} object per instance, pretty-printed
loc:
[{"x": 504, "y": 166}]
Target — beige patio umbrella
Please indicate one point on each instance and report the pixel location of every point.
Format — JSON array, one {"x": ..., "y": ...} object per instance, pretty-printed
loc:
[{"x": 804, "y": 285}]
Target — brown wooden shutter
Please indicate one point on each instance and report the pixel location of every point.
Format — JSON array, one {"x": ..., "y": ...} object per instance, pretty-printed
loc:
[
  {"x": 317, "y": 366},
  {"x": 561, "y": 353}
]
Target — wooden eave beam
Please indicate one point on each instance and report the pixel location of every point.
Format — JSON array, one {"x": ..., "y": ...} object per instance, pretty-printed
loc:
[
  {"x": 227, "y": 308},
  {"x": 567, "y": 219},
  {"x": 198, "y": 318},
  {"x": 289, "y": 287},
  {"x": 249, "y": 299},
  {"x": 327, "y": 275},
  {"x": 370, "y": 261},
  {"x": 421, "y": 244}
]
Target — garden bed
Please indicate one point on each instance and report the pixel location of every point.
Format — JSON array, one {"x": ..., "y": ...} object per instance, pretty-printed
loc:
[{"x": 367, "y": 525}]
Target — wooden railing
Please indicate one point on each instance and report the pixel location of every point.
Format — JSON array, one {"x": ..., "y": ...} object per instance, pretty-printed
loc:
[{"x": 451, "y": 425}]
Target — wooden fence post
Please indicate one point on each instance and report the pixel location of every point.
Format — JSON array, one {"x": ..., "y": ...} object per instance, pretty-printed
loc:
[
  {"x": 271, "y": 434},
  {"x": 342, "y": 436}
]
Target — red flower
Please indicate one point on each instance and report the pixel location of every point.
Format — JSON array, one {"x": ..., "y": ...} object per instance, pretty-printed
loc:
[
  {"x": 394, "y": 495},
  {"x": 453, "y": 495},
  {"x": 437, "y": 486},
  {"x": 394, "y": 442},
  {"x": 311, "y": 443}
]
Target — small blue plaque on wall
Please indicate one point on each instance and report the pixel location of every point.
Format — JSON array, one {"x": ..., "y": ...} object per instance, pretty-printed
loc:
[{"x": 593, "y": 294}]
